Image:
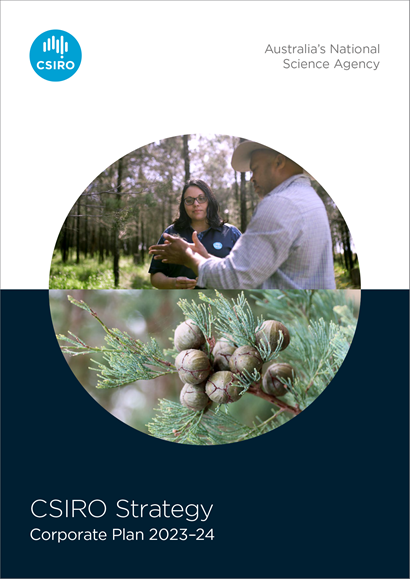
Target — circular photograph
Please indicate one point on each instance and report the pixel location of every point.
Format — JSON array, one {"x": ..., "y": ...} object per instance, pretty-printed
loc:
[{"x": 205, "y": 367}]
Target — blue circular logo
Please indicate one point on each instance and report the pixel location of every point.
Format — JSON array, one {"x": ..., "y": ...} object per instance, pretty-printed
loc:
[
  {"x": 217, "y": 245},
  {"x": 55, "y": 55}
]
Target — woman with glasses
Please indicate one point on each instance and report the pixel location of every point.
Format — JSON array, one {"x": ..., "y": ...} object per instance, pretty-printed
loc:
[{"x": 198, "y": 211}]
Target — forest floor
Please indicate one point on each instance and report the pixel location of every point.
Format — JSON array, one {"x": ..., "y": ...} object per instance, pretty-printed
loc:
[
  {"x": 343, "y": 280},
  {"x": 90, "y": 274}
]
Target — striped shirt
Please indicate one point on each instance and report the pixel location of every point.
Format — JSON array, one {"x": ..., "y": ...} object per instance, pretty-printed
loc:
[{"x": 286, "y": 245}]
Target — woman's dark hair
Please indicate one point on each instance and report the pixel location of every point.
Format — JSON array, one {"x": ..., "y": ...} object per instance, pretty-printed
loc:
[{"x": 212, "y": 212}]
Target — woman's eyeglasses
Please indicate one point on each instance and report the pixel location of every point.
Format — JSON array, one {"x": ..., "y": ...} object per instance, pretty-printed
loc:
[{"x": 191, "y": 200}]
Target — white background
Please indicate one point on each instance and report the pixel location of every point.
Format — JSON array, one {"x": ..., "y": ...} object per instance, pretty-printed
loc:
[{"x": 153, "y": 70}]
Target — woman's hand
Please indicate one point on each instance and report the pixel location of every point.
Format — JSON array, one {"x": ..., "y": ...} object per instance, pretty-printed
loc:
[
  {"x": 185, "y": 283},
  {"x": 162, "y": 281}
]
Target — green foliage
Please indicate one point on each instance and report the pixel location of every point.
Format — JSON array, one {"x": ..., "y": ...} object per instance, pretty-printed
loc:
[
  {"x": 176, "y": 423},
  {"x": 128, "y": 360},
  {"x": 342, "y": 277},
  {"x": 132, "y": 361},
  {"x": 246, "y": 379},
  {"x": 234, "y": 319},
  {"x": 90, "y": 274},
  {"x": 321, "y": 324},
  {"x": 299, "y": 306}
]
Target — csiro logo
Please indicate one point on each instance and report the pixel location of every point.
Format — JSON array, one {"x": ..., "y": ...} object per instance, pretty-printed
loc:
[{"x": 55, "y": 55}]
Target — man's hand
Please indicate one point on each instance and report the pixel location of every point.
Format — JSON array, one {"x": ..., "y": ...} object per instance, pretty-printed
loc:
[
  {"x": 177, "y": 250},
  {"x": 198, "y": 246},
  {"x": 174, "y": 250}
]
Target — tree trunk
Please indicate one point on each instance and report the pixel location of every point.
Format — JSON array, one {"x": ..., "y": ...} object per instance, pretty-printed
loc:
[
  {"x": 93, "y": 242},
  {"x": 185, "y": 139},
  {"x": 78, "y": 230},
  {"x": 170, "y": 202},
  {"x": 64, "y": 242},
  {"x": 236, "y": 187},
  {"x": 86, "y": 230},
  {"x": 100, "y": 243},
  {"x": 116, "y": 242},
  {"x": 165, "y": 202},
  {"x": 142, "y": 237},
  {"x": 347, "y": 250},
  {"x": 137, "y": 238},
  {"x": 70, "y": 236}
]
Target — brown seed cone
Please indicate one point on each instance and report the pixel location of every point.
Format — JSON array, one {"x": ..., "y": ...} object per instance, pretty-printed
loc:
[
  {"x": 193, "y": 366},
  {"x": 187, "y": 336},
  {"x": 245, "y": 358},
  {"x": 271, "y": 383},
  {"x": 269, "y": 333},
  {"x": 222, "y": 353},
  {"x": 223, "y": 388},
  {"x": 193, "y": 396}
]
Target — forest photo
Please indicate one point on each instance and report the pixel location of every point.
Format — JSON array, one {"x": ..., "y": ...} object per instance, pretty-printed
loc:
[{"x": 105, "y": 239}]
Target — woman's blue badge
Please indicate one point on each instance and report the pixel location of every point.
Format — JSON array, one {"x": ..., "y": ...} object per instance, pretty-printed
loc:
[{"x": 217, "y": 245}]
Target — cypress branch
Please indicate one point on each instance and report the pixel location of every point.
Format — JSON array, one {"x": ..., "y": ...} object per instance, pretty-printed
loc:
[
  {"x": 176, "y": 423},
  {"x": 321, "y": 325},
  {"x": 128, "y": 360}
]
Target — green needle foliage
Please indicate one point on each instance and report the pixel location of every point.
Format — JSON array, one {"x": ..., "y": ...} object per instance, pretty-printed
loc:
[
  {"x": 321, "y": 325},
  {"x": 176, "y": 423},
  {"x": 234, "y": 319},
  {"x": 317, "y": 348},
  {"x": 128, "y": 360}
]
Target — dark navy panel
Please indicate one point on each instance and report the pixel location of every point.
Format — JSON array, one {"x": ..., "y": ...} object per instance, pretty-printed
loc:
[{"x": 324, "y": 496}]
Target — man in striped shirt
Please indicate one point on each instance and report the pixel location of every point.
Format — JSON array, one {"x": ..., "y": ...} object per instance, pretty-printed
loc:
[{"x": 287, "y": 243}]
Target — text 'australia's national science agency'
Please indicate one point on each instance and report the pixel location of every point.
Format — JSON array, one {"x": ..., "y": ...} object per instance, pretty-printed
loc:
[{"x": 345, "y": 56}]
